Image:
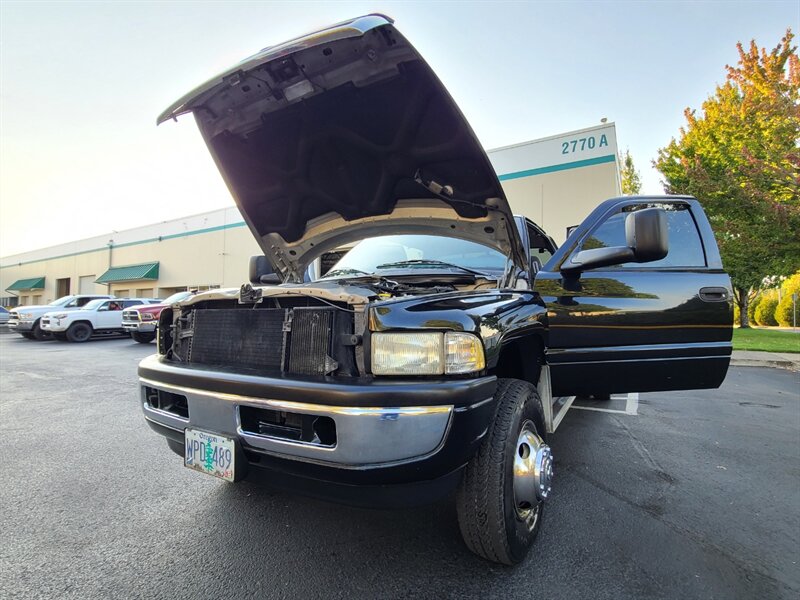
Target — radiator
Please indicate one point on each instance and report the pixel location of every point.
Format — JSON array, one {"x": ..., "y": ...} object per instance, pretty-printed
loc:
[{"x": 294, "y": 341}]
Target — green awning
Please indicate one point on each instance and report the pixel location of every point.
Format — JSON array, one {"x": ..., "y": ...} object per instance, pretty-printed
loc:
[
  {"x": 130, "y": 273},
  {"x": 34, "y": 283}
]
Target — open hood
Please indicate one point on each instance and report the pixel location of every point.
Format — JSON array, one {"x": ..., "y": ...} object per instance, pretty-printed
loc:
[{"x": 344, "y": 134}]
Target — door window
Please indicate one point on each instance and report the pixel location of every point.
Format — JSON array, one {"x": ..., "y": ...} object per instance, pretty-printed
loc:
[
  {"x": 540, "y": 249},
  {"x": 685, "y": 246}
]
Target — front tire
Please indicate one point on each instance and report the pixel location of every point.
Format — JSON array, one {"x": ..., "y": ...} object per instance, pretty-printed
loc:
[
  {"x": 38, "y": 333},
  {"x": 79, "y": 332},
  {"x": 143, "y": 338},
  {"x": 500, "y": 501},
  {"x": 28, "y": 335}
]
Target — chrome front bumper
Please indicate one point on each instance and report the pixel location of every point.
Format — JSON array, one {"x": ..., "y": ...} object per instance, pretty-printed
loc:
[
  {"x": 366, "y": 437},
  {"x": 20, "y": 325},
  {"x": 140, "y": 326}
]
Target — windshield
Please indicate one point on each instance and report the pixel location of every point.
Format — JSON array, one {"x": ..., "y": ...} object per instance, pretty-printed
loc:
[
  {"x": 93, "y": 304},
  {"x": 381, "y": 255},
  {"x": 61, "y": 301},
  {"x": 176, "y": 297}
]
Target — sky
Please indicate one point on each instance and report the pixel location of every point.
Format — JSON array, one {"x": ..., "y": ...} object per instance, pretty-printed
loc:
[{"x": 81, "y": 85}]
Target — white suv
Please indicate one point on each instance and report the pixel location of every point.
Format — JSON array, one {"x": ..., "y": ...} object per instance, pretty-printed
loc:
[{"x": 101, "y": 316}]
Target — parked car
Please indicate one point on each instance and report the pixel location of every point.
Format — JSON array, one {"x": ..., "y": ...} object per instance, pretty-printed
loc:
[
  {"x": 141, "y": 320},
  {"x": 26, "y": 320},
  {"x": 432, "y": 356},
  {"x": 4, "y": 315},
  {"x": 101, "y": 316}
]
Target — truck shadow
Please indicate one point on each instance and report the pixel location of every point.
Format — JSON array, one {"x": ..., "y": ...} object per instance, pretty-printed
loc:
[{"x": 361, "y": 549}]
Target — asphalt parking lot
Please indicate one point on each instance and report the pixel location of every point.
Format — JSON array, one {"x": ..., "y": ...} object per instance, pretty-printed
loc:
[{"x": 697, "y": 494}]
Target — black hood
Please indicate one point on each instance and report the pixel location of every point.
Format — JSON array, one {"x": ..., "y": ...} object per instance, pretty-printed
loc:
[{"x": 324, "y": 139}]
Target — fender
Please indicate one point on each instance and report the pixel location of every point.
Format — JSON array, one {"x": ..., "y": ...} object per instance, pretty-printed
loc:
[{"x": 499, "y": 317}]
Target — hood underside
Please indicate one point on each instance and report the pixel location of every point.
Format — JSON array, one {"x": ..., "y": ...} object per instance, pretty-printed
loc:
[{"x": 346, "y": 134}]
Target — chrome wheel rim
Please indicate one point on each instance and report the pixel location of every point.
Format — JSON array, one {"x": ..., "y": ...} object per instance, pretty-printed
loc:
[{"x": 533, "y": 474}]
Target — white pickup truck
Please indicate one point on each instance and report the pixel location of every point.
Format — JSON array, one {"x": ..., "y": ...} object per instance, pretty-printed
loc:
[{"x": 101, "y": 316}]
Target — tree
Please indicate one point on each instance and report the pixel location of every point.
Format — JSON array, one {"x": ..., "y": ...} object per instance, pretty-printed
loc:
[
  {"x": 631, "y": 181},
  {"x": 739, "y": 156}
]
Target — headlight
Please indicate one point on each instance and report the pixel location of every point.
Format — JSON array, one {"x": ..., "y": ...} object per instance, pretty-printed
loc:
[
  {"x": 25, "y": 315},
  {"x": 59, "y": 316},
  {"x": 426, "y": 353},
  {"x": 147, "y": 316}
]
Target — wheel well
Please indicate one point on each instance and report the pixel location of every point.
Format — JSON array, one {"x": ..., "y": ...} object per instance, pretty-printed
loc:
[
  {"x": 89, "y": 323},
  {"x": 521, "y": 358}
]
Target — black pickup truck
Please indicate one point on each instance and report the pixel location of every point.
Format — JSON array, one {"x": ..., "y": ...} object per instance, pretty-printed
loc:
[{"x": 433, "y": 355}]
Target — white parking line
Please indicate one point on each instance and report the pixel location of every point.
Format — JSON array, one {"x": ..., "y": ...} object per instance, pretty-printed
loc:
[{"x": 631, "y": 406}]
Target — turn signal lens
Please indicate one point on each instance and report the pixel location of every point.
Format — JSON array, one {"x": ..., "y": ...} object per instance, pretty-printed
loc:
[{"x": 463, "y": 353}]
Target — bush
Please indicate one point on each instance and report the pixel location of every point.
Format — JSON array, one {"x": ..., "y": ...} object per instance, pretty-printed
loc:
[
  {"x": 765, "y": 311},
  {"x": 783, "y": 312}
]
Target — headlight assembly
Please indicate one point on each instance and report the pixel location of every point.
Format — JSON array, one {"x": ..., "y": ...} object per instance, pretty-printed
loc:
[{"x": 426, "y": 353}]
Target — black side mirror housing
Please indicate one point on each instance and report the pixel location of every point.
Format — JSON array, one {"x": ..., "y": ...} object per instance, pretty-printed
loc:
[
  {"x": 646, "y": 236},
  {"x": 261, "y": 271}
]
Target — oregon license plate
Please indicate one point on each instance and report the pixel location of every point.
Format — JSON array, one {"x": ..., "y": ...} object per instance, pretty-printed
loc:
[{"x": 209, "y": 453}]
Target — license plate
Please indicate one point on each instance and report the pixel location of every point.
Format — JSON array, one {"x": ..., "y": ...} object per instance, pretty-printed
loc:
[{"x": 209, "y": 453}]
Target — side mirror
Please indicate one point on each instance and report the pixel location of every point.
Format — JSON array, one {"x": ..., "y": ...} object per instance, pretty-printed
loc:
[
  {"x": 261, "y": 271},
  {"x": 646, "y": 236}
]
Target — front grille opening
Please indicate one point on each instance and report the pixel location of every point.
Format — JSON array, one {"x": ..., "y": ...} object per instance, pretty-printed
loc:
[
  {"x": 301, "y": 340},
  {"x": 296, "y": 427},
  {"x": 167, "y": 401}
]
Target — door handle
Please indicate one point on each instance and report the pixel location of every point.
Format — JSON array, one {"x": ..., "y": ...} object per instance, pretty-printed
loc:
[{"x": 714, "y": 294}]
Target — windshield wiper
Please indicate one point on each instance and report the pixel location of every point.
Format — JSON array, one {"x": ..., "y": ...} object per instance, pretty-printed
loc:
[
  {"x": 347, "y": 271},
  {"x": 434, "y": 263}
]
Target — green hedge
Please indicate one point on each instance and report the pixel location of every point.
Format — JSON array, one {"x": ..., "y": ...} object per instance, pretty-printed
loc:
[
  {"x": 783, "y": 311},
  {"x": 765, "y": 311}
]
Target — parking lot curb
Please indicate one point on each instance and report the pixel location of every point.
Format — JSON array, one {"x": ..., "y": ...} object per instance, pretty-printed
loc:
[{"x": 775, "y": 363}]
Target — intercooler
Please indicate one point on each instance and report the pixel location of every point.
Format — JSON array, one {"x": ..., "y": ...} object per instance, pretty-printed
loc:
[{"x": 292, "y": 340}]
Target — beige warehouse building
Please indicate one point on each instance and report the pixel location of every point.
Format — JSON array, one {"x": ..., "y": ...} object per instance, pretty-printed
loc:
[{"x": 555, "y": 181}]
